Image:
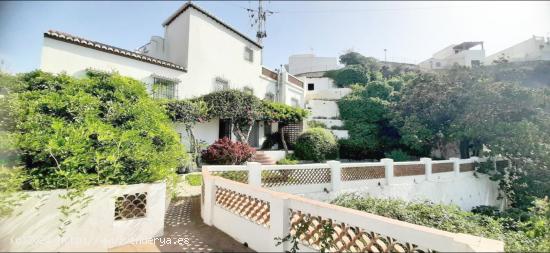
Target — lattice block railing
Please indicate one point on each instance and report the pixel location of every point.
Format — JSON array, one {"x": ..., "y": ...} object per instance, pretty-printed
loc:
[
  {"x": 251, "y": 208},
  {"x": 131, "y": 206},
  {"x": 237, "y": 175},
  {"x": 286, "y": 177},
  {"x": 465, "y": 167},
  {"x": 442, "y": 167},
  {"x": 409, "y": 170},
  {"x": 362, "y": 173},
  {"x": 313, "y": 230}
]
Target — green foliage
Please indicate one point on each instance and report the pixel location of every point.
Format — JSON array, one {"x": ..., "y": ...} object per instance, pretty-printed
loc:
[
  {"x": 11, "y": 180},
  {"x": 279, "y": 112},
  {"x": 242, "y": 108},
  {"x": 532, "y": 235},
  {"x": 103, "y": 129},
  {"x": 194, "y": 179},
  {"x": 398, "y": 155},
  {"x": 314, "y": 124},
  {"x": 368, "y": 63},
  {"x": 349, "y": 75},
  {"x": 288, "y": 161},
  {"x": 188, "y": 112},
  {"x": 316, "y": 144},
  {"x": 367, "y": 113}
]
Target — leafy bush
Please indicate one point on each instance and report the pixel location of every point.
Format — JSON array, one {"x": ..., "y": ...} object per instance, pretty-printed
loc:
[
  {"x": 316, "y": 144},
  {"x": 11, "y": 180},
  {"x": 349, "y": 75},
  {"x": 103, "y": 129},
  {"x": 314, "y": 123},
  {"x": 194, "y": 179},
  {"x": 532, "y": 235},
  {"x": 287, "y": 161},
  {"x": 398, "y": 155},
  {"x": 226, "y": 152}
]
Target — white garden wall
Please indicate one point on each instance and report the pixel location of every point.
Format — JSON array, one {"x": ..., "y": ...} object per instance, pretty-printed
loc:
[
  {"x": 34, "y": 225},
  {"x": 255, "y": 213}
]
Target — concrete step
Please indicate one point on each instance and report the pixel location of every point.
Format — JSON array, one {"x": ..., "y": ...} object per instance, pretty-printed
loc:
[{"x": 262, "y": 158}]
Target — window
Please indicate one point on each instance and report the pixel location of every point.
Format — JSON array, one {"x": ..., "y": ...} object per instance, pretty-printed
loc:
[
  {"x": 310, "y": 86},
  {"x": 475, "y": 63},
  {"x": 248, "y": 54},
  {"x": 163, "y": 88},
  {"x": 248, "y": 90},
  {"x": 294, "y": 102},
  {"x": 221, "y": 84},
  {"x": 438, "y": 64}
]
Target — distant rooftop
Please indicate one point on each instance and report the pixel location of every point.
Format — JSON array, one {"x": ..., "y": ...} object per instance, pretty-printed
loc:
[{"x": 467, "y": 45}]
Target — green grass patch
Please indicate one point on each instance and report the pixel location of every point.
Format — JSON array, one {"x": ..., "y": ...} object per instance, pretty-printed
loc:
[{"x": 194, "y": 179}]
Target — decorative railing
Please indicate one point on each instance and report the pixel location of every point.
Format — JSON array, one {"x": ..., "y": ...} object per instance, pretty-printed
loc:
[{"x": 255, "y": 212}]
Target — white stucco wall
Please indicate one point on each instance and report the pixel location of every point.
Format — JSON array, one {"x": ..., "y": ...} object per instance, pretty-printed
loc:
[
  {"x": 320, "y": 83},
  {"x": 323, "y": 108},
  {"x": 58, "y": 56},
  {"x": 35, "y": 228},
  {"x": 214, "y": 51},
  {"x": 464, "y": 190},
  {"x": 328, "y": 94},
  {"x": 534, "y": 48},
  {"x": 304, "y": 63}
]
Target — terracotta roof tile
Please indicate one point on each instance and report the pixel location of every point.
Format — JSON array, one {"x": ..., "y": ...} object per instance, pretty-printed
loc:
[{"x": 110, "y": 49}]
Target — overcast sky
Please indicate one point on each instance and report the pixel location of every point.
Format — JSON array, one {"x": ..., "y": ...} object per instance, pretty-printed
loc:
[{"x": 410, "y": 31}]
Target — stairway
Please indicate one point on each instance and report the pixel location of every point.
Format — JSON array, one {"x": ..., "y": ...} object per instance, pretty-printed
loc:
[{"x": 262, "y": 158}]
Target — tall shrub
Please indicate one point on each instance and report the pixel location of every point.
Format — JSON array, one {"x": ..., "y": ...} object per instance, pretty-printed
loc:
[
  {"x": 316, "y": 144},
  {"x": 103, "y": 129}
]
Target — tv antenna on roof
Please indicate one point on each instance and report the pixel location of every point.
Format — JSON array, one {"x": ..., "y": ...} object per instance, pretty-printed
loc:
[{"x": 258, "y": 17}]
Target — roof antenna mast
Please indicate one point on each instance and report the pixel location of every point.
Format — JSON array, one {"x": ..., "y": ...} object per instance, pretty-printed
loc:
[{"x": 258, "y": 18}]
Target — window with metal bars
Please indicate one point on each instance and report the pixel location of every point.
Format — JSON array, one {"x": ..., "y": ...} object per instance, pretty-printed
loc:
[{"x": 163, "y": 88}]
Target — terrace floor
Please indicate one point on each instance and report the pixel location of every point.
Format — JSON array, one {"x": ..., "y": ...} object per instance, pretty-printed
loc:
[{"x": 183, "y": 221}]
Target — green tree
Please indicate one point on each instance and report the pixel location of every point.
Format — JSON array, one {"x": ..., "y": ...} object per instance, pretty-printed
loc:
[
  {"x": 284, "y": 115},
  {"x": 189, "y": 112},
  {"x": 241, "y": 108}
]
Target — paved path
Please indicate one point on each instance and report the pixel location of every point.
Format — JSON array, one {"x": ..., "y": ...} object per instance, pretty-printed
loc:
[{"x": 183, "y": 222}]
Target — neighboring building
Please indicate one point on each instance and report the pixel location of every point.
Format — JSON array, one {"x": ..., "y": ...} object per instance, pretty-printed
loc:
[
  {"x": 534, "y": 49},
  {"x": 198, "y": 54},
  {"x": 321, "y": 93},
  {"x": 469, "y": 54}
]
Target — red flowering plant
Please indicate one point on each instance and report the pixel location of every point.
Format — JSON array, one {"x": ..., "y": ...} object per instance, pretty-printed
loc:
[{"x": 226, "y": 152}]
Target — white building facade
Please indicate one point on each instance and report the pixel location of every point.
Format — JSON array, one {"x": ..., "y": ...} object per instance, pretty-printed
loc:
[
  {"x": 536, "y": 48},
  {"x": 321, "y": 93},
  {"x": 469, "y": 54},
  {"x": 197, "y": 55}
]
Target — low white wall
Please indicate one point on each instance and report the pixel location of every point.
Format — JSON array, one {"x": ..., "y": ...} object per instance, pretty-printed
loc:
[
  {"x": 327, "y": 94},
  {"x": 323, "y": 108},
  {"x": 236, "y": 210},
  {"x": 34, "y": 227},
  {"x": 275, "y": 154},
  {"x": 464, "y": 190}
]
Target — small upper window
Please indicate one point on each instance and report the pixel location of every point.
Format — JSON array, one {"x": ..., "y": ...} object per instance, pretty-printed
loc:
[
  {"x": 248, "y": 54},
  {"x": 163, "y": 88},
  {"x": 310, "y": 86},
  {"x": 438, "y": 64},
  {"x": 270, "y": 96},
  {"x": 221, "y": 84}
]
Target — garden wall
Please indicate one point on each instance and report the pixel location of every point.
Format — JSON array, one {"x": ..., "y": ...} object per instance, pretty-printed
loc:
[{"x": 34, "y": 226}]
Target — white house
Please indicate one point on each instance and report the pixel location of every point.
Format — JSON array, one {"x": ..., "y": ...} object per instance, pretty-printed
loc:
[
  {"x": 536, "y": 48},
  {"x": 197, "y": 55},
  {"x": 469, "y": 54},
  {"x": 321, "y": 94}
]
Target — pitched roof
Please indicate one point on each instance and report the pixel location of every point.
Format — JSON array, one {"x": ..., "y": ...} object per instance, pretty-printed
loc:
[
  {"x": 188, "y": 5},
  {"x": 65, "y": 37}
]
